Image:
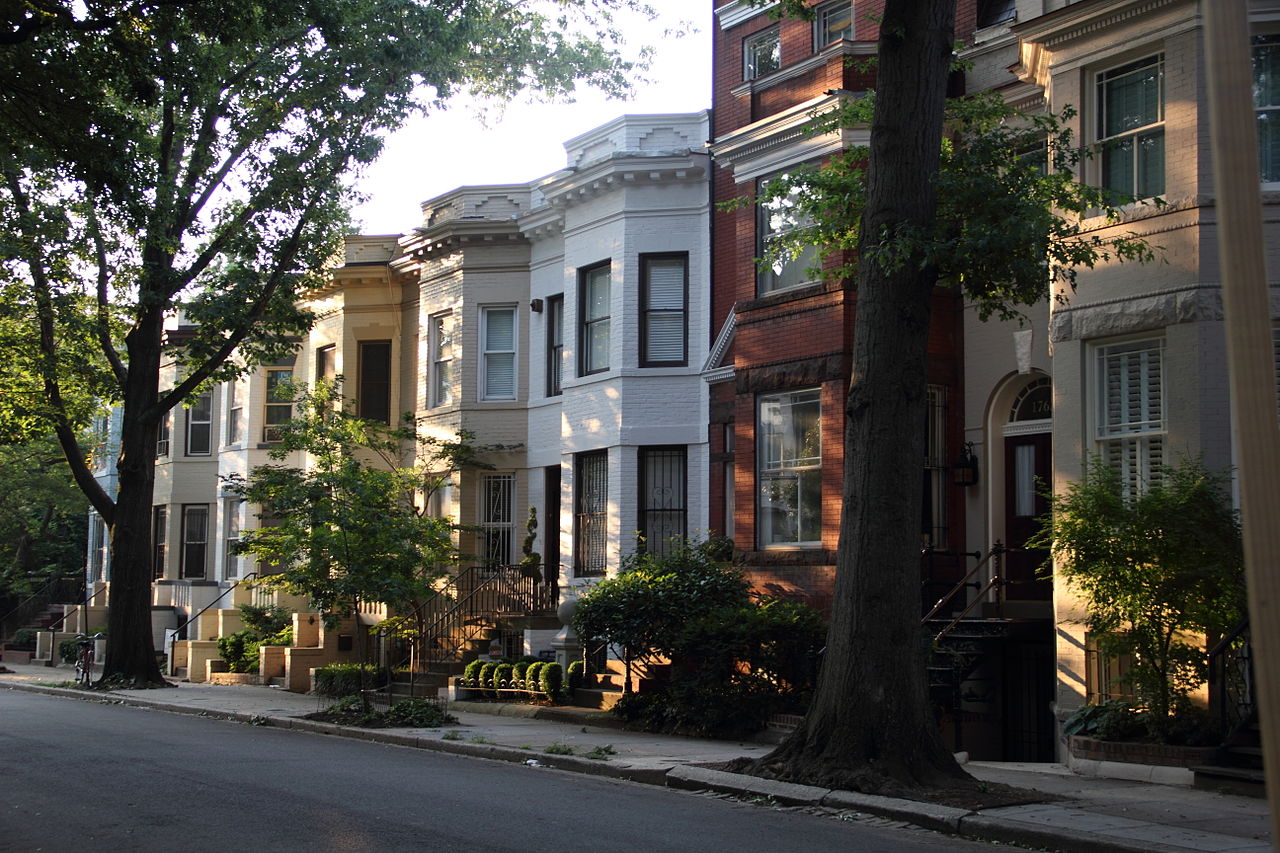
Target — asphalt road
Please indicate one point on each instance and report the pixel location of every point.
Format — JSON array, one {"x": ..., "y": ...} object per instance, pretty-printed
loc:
[{"x": 89, "y": 776}]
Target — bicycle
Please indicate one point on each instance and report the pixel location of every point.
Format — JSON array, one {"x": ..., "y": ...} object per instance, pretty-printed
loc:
[{"x": 84, "y": 661}]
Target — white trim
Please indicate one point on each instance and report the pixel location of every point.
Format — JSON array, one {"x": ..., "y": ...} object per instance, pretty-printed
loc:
[
  {"x": 1027, "y": 428},
  {"x": 740, "y": 11},
  {"x": 723, "y": 340}
]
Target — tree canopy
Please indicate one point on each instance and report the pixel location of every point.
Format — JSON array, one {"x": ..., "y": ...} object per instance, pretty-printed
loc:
[{"x": 166, "y": 153}]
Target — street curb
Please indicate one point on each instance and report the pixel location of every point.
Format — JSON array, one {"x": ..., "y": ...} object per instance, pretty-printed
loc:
[
  {"x": 569, "y": 763},
  {"x": 958, "y": 822}
]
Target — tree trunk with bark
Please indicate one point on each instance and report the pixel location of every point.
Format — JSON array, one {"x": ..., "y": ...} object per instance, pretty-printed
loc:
[
  {"x": 870, "y": 726},
  {"x": 131, "y": 652}
]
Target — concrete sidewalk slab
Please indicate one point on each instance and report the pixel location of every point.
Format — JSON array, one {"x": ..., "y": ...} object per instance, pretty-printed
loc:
[{"x": 1091, "y": 814}]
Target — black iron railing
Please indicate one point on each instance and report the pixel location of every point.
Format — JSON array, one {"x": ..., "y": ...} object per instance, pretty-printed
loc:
[
  {"x": 1232, "y": 695},
  {"x": 58, "y": 590}
]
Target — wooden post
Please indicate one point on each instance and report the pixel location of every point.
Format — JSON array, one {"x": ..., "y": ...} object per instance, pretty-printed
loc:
[{"x": 1233, "y": 130}]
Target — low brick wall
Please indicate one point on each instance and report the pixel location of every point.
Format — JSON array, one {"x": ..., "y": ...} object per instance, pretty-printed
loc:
[{"x": 1139, "y": 753}]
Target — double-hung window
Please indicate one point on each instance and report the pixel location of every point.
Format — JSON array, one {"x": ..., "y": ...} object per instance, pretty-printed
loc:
[
  {"x": 593, "y": 310},
  {"x": 1130, "y": 121},
  {"x": 832, "y": 22},
  {"x": 1266, "y": 104},
  {"x": 231, "y": 538},
  {"x": 555, "y": 345},
  {"x": 235, "y": 413},
  {"x": 664, "y": 310},
  {"x": 761, "y": 53},
  {"x": 162, "y": 437},
  {"x": 327, "y": 363},
  {"x": 195, "y": 539},
  {"x": 777, "y": 219},
  {"x": 789, "y": 475},
  {"x": 373, "y": 396},
  {"x": 498, "y": 345},
  {"x": 441, "y": 344},
  {"x": 1130, "y": 404},
  {"x": 200, "y": 426},
  {"x": 278, "y": 409}
]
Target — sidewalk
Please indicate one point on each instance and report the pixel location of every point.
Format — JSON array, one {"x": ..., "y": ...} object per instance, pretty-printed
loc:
[{"x": 1093, "y": 814}]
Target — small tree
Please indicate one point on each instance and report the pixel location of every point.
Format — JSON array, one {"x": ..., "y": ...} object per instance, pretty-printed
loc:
[
  {"x": 352, "y": 525},
  {"x": 1156, "y": 569}
]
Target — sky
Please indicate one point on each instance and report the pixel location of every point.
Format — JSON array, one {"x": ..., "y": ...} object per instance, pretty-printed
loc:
[{"x": 441, "y": 151}]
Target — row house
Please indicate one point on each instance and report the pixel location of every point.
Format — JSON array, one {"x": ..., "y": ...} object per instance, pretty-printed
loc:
[{"x": 562, "y": 323}]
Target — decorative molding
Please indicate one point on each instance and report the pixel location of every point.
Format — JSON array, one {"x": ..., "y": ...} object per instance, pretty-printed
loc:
[
  {"x": 782, "y": 140},
  {"x": 740, "y": 11},
  {"x": 841, "y": 48},
  {"x": 1027, "y": 428},
  {"x": 715, "y": 359}
]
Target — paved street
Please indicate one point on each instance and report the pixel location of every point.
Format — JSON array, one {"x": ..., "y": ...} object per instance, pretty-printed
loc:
[{"x": 89, "y": 776}]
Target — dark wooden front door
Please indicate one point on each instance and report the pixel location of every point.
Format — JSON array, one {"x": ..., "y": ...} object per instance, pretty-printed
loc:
[{"x": 1027, "y": 474}]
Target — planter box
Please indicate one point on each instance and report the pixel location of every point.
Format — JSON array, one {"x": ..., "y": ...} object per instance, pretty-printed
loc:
[
  {"x": 1139, "y": 753},
  {"x": 234, "y": 678}
]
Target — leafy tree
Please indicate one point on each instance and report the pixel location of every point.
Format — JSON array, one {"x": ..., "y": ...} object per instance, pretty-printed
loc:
[
  {"x": 157, "y": 153},
  {"x": 920, "y": 211},
  {"x": 1155, "y": 569},
  {"x": 43, "y": 517},
  {"x": 352, "y": 524}
]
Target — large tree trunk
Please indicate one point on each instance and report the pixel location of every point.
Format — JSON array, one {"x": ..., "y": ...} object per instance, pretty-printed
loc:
[
  {"x": 870, "y": 725},
  {"x": 130, "y": 646}
]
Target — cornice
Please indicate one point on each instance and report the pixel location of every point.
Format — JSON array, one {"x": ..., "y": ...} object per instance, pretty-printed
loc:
[
  {"x": 839, "y": 49},
  {"x": 624, "y": 169},
  {"x": 783, "y": 139},
  {"x": 740, "y": 11},
  {"x": 1080, "y": 20},
  {"x": 719, "y": 349}
]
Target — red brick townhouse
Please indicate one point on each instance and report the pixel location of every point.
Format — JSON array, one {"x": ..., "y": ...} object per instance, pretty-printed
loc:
[{"x": 780, "y": 365}]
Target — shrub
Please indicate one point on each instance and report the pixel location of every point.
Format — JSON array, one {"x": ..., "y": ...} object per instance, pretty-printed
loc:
[
  {"x": 344, "y": 679},
  {"x": 417, "y": 713},
  {"x": 240, "y": 651},
  {"x": 518, "y": 674},
  {"x": 471, "y": 675},
  {"x": 533, "y": 676},
  {"x": 486, "y": 675},
  {"x": 69, "y": 651},
  {"x": 24, "y": 639},
  {"x": 551, "y": 676},
  {"x": 577, "y": 673},
  {"x": 502, "y": 675},
  {"x": 1153, "y": 567}
]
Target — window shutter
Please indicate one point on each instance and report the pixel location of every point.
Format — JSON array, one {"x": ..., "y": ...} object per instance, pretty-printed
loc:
[{"x": 664, "y": 333}]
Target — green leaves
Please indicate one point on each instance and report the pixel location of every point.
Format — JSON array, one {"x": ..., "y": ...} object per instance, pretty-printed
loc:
[{"x": 1155, "y": 568}]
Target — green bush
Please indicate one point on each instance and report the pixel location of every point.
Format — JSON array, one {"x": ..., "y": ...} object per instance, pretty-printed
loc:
[
  {"x": 518, "y": 674},
  {"x": 551, "y": 676},
  {"x": 533, "y": 676},
  {"x": 345, "y": 679},
  {"x": 486, "y": 675},
  {"x": 24, "y": 639},
  {"x": 240, "y": 651},
  {"x": 502, "y": 675},
  {"x": 418, "y": 714},
  {"x": 577, "y": 674},
  {"x": 471, "y": 674},
  {"x": 69, "y": 651}
]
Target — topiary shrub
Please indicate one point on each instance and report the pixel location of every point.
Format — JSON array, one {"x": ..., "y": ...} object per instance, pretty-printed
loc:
[
  {"x": 502, "y": 675},
  {"x": 471, "y": 674},
  {"x": 551, "y": 676},
  {"x": 518, "y": 674},
  {"x": 24, "y": 639},
  {"x": 533, "y": 676},
  {"x": 577, "y": 673},
  {"x": 486, "y": 675}
]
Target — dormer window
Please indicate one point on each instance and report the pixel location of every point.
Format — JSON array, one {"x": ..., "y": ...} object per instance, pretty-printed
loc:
[{"x": 762, "y": 54}]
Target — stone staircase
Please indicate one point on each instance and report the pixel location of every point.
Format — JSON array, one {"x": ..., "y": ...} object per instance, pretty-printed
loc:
[{"x": 1236, "y": 768}]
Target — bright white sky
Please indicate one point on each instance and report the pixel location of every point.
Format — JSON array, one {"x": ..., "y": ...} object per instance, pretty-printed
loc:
[{"x": 446, "y": 150}]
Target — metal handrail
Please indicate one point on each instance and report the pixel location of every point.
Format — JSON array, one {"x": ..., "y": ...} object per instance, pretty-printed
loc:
[
  {"x": 65, "y": 616},
  {"x": 996, "y": 549},
  {"x": 977, "y": 599},
  {"x": 1221, "y": 697},
  {"x": 42, "y": 592},
  {"x": 200, "y": 612}
]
